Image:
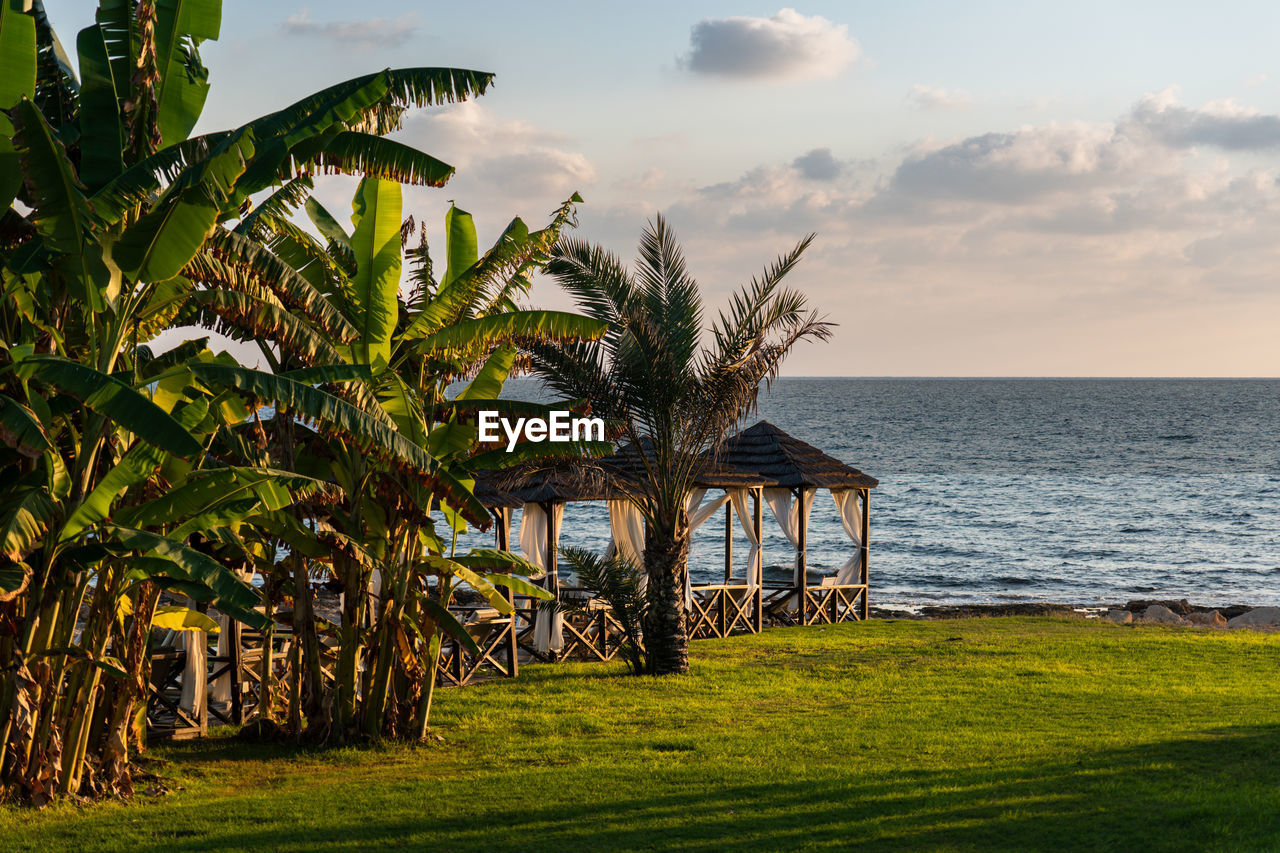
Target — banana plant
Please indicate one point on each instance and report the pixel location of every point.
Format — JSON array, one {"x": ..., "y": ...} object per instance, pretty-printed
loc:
[
  {"x": 117, "y": 225},
  {"x": 405, "y": 351}
]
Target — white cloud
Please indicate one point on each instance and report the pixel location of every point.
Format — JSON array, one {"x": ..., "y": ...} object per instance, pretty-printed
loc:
[
  {"x": 510, "y": 156},
  {"x": 936, "y": 98},
  {"x": 784, "y": 45},
  {"x": 1223, "y": 124},
  {"x": 363, "y": 34}
]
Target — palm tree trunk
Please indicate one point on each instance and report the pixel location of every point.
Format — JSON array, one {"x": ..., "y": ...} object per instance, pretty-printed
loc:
[{"x": 666, "y": 561}]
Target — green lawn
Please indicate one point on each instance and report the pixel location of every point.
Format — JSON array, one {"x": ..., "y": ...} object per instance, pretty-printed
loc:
[{"x": 1030, "y": 734}]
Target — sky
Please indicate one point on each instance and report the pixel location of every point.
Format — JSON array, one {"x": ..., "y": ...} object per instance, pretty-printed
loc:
[{"x": 997, "y": 189}]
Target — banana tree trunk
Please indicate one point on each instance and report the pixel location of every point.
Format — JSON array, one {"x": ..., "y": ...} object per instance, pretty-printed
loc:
[
  {"x": 347, "y": 679},
  {"x": 666, "y": 561},
  {"x": 304, "y": 620},
  {"x": 115, "y": 755}
]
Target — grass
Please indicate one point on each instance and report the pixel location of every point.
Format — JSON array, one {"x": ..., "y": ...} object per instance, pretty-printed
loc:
[{"x": 1029, "y": 734}]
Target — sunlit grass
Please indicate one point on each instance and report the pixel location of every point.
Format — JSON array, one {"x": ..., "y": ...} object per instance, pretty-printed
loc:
[{"x": 968, "y": 734}]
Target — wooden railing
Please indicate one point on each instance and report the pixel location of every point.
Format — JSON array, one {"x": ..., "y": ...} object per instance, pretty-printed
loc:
[
  {"x": 718, "y": 610},
  {"x": 821, "y": 604}
]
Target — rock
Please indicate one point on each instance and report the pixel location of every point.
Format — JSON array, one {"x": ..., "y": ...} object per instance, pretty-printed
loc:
[
  {"x": 1181, "y": 607},
  {"x": 1158, "y": 614},
  {"x": 1207, "y": 619},
  {"x": 1120, "y": 617},
  {"x": 1257, "y": 618}
]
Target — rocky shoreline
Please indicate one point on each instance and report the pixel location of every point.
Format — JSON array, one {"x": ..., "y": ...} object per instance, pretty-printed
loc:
[{"x": 1141, "y": 611}]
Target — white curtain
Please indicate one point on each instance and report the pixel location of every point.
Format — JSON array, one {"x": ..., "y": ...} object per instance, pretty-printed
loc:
[
  {"x": 754, "y": 559},
  {"x": 548, "y": 629},
  {"x": 698, "y": 512},
  {"x": 195, "y": 674},
  {"x": 850, "y": 509},
  {"x": 787, "y": 512},
  {"x": 626, "y": 526},
  {"x": 220, "y": 687}
]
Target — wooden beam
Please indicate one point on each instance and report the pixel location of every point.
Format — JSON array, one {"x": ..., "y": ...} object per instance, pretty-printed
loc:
[
  {"x": 233, "y": 646},
  {"x": 802, "y": 568},
  {"x": 553, "y": 571},
  {"x": 502, "y": 530},
  {"x": 866, "y": 550},
  {"x": 757, "y": 521},
  {"x": 503, "y": 535},
  {"x": 728, "y": 541}
]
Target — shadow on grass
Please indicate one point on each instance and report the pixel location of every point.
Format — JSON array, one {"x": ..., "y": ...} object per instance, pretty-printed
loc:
[{"x": 1218, "y": 790}]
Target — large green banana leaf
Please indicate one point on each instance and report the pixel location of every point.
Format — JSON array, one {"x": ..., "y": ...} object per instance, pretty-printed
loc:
[
  {"x": 461, "y": 245},
  {"x": 353, "y": 102},
  {"x": 101, "y": 131},
  {"x": 205, "y": 490},
  {"x": 184, "y": 83},
  {"x": 487, "y": 384},
  {"x": 376, "y": 244},
  {"x": 136, "y": 466},
  {"x": 21, "y": 429},
  {"x": 10, "y": 165},
  {"x": 162, "y": 242},
  {"x": 113, "y": 399},
  {"x": 25, "y": 517},
  {"x": 61, "y": 211},
  {"x": 162, "y": 556},
  {"x": 17, "y": 53}
]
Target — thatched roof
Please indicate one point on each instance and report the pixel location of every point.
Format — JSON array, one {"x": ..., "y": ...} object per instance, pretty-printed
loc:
[
  {"x": 787, "y": 462},
  {"x": 628, "y": 464}
]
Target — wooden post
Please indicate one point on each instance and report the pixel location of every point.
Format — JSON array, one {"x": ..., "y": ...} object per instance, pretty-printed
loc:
[
  {"x": 802, "y": 570},
  {"x": 728, "y": 541},
  {"x": 503, "y": 536},
  {"x": 233, "y": 650},
  {"x": 866, "y": 551},
  {"x": 553, "y": 572},
  {"x": 757, "y": 522}
]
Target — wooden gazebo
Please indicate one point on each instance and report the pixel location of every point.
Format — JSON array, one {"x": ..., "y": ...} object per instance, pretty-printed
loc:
[
  {"x": 760, "y": 465},
  {"x": 796, "y": 470}
]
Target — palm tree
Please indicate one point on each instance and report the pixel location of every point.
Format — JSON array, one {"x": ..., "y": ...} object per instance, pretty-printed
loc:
[{"x": 671, "y": 393}]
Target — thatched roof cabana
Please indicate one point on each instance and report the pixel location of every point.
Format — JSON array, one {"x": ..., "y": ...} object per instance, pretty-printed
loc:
[{"x": 758, "y": 466}]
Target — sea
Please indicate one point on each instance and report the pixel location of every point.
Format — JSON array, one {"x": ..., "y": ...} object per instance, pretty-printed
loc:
[{"x": 1078, "y": 491}]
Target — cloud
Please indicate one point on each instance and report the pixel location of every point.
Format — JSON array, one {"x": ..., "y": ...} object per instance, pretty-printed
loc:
[
  {"x": 364, "y": 34},
  {"x": 500, "y": 152},
  {"x": 787, "y": 45},
  {"x": 505, "y": 166},
  {"x": 818, "y": 165},
  {"x": 1224, "y": 124},
  {"x": 935, "y": 98},
  {"x": 1017, "y": 166}
]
